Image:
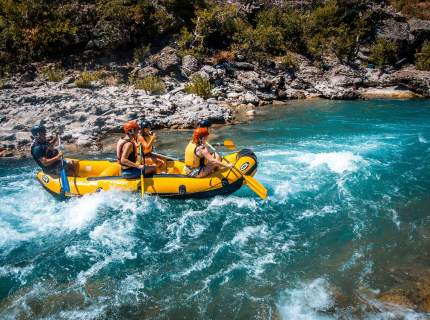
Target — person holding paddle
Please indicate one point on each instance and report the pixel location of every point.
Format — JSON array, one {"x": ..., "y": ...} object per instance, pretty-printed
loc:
[
  {"x": 126, "y": 150},
  {"x": 47, "y": 157},
  {"x": 206, "y": 124},
  {"x": 146, "y": 140},
  {"x": 198, "y": 161}
]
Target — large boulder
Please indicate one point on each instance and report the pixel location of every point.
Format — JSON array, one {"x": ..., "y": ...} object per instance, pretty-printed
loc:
[
  {"x": 143, "y": 73},
  {"x": 415, "y": 80},
  {"x": 420, "y": 29},
  {"x": 250, "y": 80},
  {"x": 168, "y": 60},
  {"x": 250, "y": 97},
  {"x": 343, "y": 76},
  {"x": 309, "y": 75},
  {"x": 190, "y": 64},
  {"x": 396, "y": 32}
]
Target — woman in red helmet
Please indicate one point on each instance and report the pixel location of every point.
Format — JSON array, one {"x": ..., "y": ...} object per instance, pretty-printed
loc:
[
  {"x": 198, "y": 161},
  {"x": 126, "y": 151}
]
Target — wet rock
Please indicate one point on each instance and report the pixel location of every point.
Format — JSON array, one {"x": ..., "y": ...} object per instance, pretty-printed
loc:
[
  {"x": 6, "y": 154},
  {"x": 396, "y": 300},
  {"x": 277, "y": 102},
  {"x": 251, "y": 113},
  {"x": 298, "y": 95}
]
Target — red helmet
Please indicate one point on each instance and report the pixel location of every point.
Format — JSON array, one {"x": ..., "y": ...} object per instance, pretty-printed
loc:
[
  {"x": 129, "y": 126},
  {"x": 200, "y": 133}
]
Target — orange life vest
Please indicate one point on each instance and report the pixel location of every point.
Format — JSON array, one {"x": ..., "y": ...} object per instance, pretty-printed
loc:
[{"x": 132, "y": 157}]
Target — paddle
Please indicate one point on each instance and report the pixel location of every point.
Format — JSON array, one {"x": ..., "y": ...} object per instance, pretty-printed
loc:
[
  {"x": 64, "y": 180},
  {"x": 141, "y": 172},
  {"x": 229, "y": 145},
  {"x": 253, "y": 184}
]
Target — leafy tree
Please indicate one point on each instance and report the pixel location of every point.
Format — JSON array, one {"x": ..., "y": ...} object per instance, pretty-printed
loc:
[
  {"x": 383, "y": 53},
  {"x": 423, "y": 58}
]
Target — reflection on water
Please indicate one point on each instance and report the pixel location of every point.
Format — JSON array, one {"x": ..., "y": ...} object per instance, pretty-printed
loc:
[{"x": 343, "y": 232}]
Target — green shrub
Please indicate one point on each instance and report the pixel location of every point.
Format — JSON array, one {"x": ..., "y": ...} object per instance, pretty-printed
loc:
[
  {"x": 190, "y": 45},
  {"x": 423, "y": 58},
  {"x": 84, "y": 78},
  {"x": 289, "y": 61},
  {"x": 141, "y": 53},
  {"x": 199, "y": 85},
  {"x": 150, "y": 84},
  {"x": 260, "y": 42},
  {"x": 383, "y": 53},
  {"x": 54, "y": 76}
]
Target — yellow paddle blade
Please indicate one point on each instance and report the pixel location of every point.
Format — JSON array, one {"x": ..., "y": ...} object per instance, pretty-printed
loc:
[
  {"x": 256, "y": 186},
  {"x": 141, "y": 185},
  {"x": 229, "y": 145}
]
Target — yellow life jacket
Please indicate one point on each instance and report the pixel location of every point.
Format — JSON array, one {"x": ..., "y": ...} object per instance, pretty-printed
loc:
[{"x": 191, "y": 159}]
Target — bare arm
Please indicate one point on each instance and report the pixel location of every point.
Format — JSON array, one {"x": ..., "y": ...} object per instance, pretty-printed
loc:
[
  {"x": 147, "y": 146},
  {"x": 55, "y": 139},
  {"x": 47, "y": 162},
  {"x": 205, "y": 153}
]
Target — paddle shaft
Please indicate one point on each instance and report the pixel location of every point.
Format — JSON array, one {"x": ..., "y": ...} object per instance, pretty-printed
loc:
[
  {"x": 223, "y": 157},
  {"x": 141, "y": 172},
  {"x": 59, "y": 143}
]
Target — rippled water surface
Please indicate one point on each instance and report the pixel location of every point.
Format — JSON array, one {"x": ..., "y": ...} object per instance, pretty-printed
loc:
[{"x": 345, "y": 222}]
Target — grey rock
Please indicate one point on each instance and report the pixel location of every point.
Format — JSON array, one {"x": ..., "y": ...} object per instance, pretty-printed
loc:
[
  {"x": 309, "y": 75},
  {"x": 420, "y": 29},
  {"x": 343, "y": 76},
  {"x": 250, "y": 97},
  {"x": 396, "y": 32},
  {"x": 244, "y": 66},
  {"x": 298, "y": 84},
  {"x": 250, "y": 80},
  {"x": 168, "y": 60},
  {"x": 143, "y": 73},
  {"x": 266, "y": 96},
  {"x": 190, "y": 64}
]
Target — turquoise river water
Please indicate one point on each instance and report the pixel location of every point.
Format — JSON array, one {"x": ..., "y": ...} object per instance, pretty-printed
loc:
[{"x": 346, "y": 221}]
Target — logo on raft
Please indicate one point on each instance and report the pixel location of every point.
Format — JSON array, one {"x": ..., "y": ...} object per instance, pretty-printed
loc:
[
  {"x": 244, "y": 166},
  {"x": 45, "y": 179}
]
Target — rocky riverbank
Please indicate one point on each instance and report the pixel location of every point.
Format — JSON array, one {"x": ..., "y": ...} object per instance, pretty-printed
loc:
[{"x": 85, "y": 116}]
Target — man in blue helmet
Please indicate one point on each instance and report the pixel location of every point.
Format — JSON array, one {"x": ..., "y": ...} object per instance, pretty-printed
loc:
[{"x": 47, "y": 157}]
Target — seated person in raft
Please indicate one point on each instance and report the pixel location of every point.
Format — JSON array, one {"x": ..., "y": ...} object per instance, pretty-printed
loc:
[
  {"x": 208, "y": 126},
  {"x": 126, "y": 151},
  {"x": 198, "y": 161},
  {"x": 47, "y": 157},
  {"x": 147, "y": 141}
]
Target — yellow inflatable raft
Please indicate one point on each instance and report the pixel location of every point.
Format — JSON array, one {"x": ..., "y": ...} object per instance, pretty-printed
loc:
[{"x": 95, "y": 176}]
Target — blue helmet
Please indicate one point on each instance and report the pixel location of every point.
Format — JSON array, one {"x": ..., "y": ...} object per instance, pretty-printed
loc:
[
  {"x": 36, "y": 129},
  {"x": 145, "y": 124},
  {"x": 205, "y": 124}
]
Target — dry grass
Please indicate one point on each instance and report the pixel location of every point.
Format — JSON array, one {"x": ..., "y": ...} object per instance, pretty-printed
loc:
[{"x": 412, "y": 8}]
